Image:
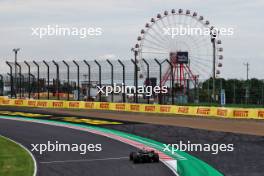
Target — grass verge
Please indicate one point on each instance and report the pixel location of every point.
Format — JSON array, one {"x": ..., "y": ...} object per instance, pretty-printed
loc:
[{"x": 14, "y": 160}]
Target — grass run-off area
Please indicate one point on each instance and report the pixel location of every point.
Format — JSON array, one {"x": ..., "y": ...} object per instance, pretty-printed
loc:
[{"x": 14, "y": 160}]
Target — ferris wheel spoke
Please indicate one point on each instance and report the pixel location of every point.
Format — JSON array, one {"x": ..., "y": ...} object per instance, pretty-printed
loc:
[
  {"x": 154, "y": 51},
  {"x": 201, "y": 72},
  {"x": 194, "y": 42},
  {"x": 199, "y": 57},
  {"x": 198, "y": 46},
  {"x": 196, "y": 71},
  {"x": 156, "y": 44},
  {"x": 165, "y": 37},
  {"x": 155, "y": 48},
  {"x": 175, "y": 24},
  {"x": 202, "y": 75},
  {"x": 197, "y": 41},
  {"x": 205, "y": 65},
  {"x": 158, "y": 34},
  {"x": 169, "y": 38},
  {"x": 154, "y": 37},
  {"x": 201, "y": 61},
  {"x": 191, "y": 44},
  {"x": 201, "y": 41},
  {"x": 201, "y": 66}
]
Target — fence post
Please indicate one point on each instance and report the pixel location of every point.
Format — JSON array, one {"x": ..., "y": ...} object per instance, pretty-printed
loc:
[
  {"x": 135, "y": 81},
  {"x": 68, "y": 79},
  {"x": 11, "y": 85},
  {"x": 29, "y": 87},
  {"x": 172, "y": 81},
  {"x": 100, "y": 79},
  {"x": 112, "y": 79},
  {"x": 37, "y": 65},
  {"x": 160, "y": 77},
  {"x": 2, "y": 86},
  {"x": 148, "y": 81},
  {"x": 58, "y": 78},
  {"x": 20, "y": 83},
  {"x": 124, "y": 80},
  {"x": 48, "y": 76},
  {"x": 89, "y": 78},
  {"x": 78, "y": 79},
  {"x": 11, "y": 79},
  {"x": 33, "y": 82},
  {"x": 23, "y": 81}
]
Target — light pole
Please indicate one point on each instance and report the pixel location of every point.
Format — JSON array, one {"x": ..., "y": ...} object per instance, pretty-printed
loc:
[{"x": 15, "y": 50}]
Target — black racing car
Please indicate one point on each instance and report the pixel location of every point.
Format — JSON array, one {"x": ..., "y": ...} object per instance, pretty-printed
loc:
[{"x": 144, "y": 156}]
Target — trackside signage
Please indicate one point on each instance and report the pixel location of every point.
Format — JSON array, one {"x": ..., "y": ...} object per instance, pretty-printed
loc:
[{"x": 247, "y": 113}]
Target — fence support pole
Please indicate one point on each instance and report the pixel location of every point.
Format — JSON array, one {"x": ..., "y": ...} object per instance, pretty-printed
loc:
[
  {"x": 68, "y": 79},
  {"x": 33, "y": 81},
  {"x": 11, "y": 79},
  {"x": 78, "y": 79},
  {"x": 124, "y": 80},
  {"x": 23, "y": 81},
  {"x": 112, "y": 79},
  {"x": 58, "y": 78},
  {"x": 172, "y": 81},
  {"x": 160, "y": 79},
  {"x": 38, "y": 87},
  {"x": 48, "y": 77},
  {"x": 29, "y": 86},
  {"x": 20, "y": 81},
  {"x": 100, "y": 79},
  {"x": 89, "y": 78},
  {"x": 2, "y": 84},
  {"x": 147, "y": 81},
  {"x": 135, "y": 81}
]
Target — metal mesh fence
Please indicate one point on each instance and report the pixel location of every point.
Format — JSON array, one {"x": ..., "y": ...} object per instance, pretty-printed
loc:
[{"x": 31, "y": 84}]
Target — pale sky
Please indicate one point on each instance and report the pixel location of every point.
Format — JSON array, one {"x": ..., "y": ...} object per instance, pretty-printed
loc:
[{"x": 121, "y": 21}]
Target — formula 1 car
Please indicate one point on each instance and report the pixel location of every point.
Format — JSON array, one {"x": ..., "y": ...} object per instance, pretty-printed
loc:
[{"x": 144, "y": 156}]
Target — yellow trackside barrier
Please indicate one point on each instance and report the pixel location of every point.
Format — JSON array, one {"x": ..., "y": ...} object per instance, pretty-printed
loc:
[
  {"x": 91, "y": 105},
  {"x": 104, "y": 106},
  {"x": 43, "y": 104},
  {"x": 167, "y": 109},
  {"x": 119, "y": 106},
  {"x": 223, "y": 112},
  {"x": 135, "y": 108},
  {"x": 7, "y": 102},
  {"x": 74, "y": 104},
  {"x": 203, "y": 111},
  {"x": 260, "y": 113}
]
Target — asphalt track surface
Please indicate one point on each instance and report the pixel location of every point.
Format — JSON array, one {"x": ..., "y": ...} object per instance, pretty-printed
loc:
[{"x": 111, "y": 161}]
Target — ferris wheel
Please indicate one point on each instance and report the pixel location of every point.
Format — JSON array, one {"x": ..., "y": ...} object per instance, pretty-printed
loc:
[{"x": 196, "y": 52}]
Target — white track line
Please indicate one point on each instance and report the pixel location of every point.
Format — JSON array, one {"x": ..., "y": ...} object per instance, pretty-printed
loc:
[{"x": 31, "y": 155}]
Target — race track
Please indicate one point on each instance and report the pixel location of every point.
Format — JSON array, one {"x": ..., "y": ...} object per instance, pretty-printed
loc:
[{"x": 111, "y": 161}]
